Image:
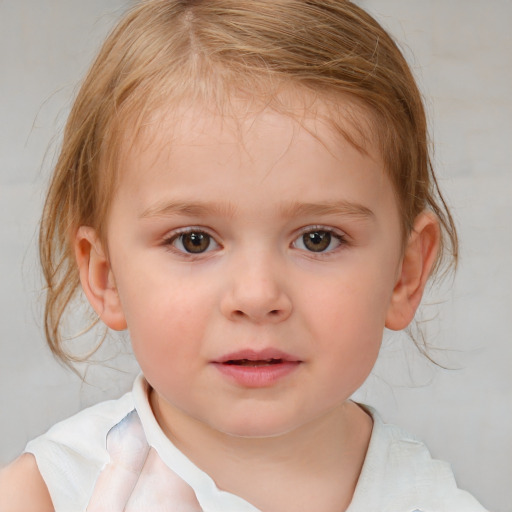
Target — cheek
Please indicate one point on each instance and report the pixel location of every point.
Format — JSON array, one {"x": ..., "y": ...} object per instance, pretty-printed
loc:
[
  {"x": 347, "y": 321},
  {"x": 167, "y": 323},
  {"x": 351, "y": 345},
  {"x": 168, "y": 351},
  {"x": 353, "y": 304}
]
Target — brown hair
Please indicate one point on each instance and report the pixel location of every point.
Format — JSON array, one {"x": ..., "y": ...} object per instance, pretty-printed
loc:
[{"x": 169, "y": 50}]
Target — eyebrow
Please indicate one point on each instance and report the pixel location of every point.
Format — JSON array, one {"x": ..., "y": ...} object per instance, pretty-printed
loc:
[
  {"x": 169, "y": 209},
  {"x": 341, "y": 208},
  {"x": 204, "y": 209}
]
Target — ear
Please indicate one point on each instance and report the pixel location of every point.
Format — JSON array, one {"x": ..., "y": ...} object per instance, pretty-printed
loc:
[
  {"x": 97, "y": 278},
  {"x": 417, "y": 262}
]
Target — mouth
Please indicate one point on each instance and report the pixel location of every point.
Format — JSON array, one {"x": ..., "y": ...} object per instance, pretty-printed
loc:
[
  {"x": 257, "y": 369},
  {"x": 249, "y": 357},
  {"x": 251, "y": 362}
]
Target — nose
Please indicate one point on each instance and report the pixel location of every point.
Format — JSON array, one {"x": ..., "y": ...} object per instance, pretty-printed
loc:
[{"x": 256, "y": 293}]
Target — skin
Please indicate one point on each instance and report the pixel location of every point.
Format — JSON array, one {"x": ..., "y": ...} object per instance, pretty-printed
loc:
[
  {"x": 253, "y": 188},
  {"x": 22, "y": 489}
]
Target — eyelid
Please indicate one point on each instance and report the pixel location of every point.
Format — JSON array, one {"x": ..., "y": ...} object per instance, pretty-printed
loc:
[
  {"x": 188, "y": 229},
  {"x": 321, "y": 227},
  {"x": 169, "y": 239},
  {"x": 338, "y": 234}
]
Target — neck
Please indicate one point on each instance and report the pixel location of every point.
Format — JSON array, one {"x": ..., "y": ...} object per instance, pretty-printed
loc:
[{"x": 314, "y": 467}]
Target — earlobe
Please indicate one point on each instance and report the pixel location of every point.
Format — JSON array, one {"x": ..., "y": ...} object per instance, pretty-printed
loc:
[
  {"x": 97, "y": 278},
  {"x": 417, "y": 263}
]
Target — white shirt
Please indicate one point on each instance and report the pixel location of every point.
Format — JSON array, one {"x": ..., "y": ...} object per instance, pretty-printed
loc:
[{"x": 115, "y": 457}]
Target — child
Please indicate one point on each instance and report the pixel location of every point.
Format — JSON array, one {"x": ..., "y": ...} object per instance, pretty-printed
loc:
[{"x": 245, "y": 186}]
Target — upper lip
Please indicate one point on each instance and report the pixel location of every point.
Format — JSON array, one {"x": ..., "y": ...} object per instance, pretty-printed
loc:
[{"x": 257, "y": 355}]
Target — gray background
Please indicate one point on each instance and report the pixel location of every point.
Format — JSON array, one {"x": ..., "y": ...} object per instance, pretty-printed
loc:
[{"x": 461, "y": 52}]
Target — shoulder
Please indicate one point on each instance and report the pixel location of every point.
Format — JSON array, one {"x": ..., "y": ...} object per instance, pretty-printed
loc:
[
  {"x": 400, "y": 472},
  {"x": 22, "y": 487},
  {"x": 89, "y": 426},
  {"x": 71, "y": 455}
]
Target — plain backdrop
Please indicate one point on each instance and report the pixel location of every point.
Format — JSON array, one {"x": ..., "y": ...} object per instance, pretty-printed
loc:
[{"x": 461, "y": 52}]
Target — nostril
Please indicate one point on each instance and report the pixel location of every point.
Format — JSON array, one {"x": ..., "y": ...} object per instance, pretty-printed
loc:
[{"x": 239, "y": 313}]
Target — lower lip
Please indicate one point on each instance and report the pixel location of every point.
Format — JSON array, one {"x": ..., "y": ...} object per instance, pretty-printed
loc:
[{"x": 257, "y": 376}]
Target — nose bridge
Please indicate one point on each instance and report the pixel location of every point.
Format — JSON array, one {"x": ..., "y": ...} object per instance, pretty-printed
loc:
[{"x": 257, "y": 290}]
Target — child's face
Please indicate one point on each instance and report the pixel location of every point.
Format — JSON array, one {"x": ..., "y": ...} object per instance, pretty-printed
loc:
[{"x": 252, "y": 240}]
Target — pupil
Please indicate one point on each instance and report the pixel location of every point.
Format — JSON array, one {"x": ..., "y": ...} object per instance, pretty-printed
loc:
[
  {"x": 317, "y": 241},
  {"x": 196, "y": 242}
]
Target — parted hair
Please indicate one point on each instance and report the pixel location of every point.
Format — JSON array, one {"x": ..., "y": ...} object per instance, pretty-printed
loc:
[{"x": 164, "y": 52}]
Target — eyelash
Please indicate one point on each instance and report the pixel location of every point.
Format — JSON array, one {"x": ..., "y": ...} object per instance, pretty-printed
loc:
[
  {"x": 169, "y": 242},
  {"x": 333, "y": 234},
  {"x": 339, "y": 237}
]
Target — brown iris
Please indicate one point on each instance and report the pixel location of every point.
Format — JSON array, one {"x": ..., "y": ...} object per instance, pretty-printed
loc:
[
  {"x": 316, "y": 241},
  {"x": 195, "y": 242}
]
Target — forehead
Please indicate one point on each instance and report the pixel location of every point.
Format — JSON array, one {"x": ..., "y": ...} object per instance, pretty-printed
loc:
[
  {"x": 290, "y": 114},
  {"x": 193, "y": 153}
]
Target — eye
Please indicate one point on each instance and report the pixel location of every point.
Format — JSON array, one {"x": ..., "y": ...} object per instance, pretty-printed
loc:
[
  {"x": 319, "y": 240},
  {"x": 192, "y": 242}
]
